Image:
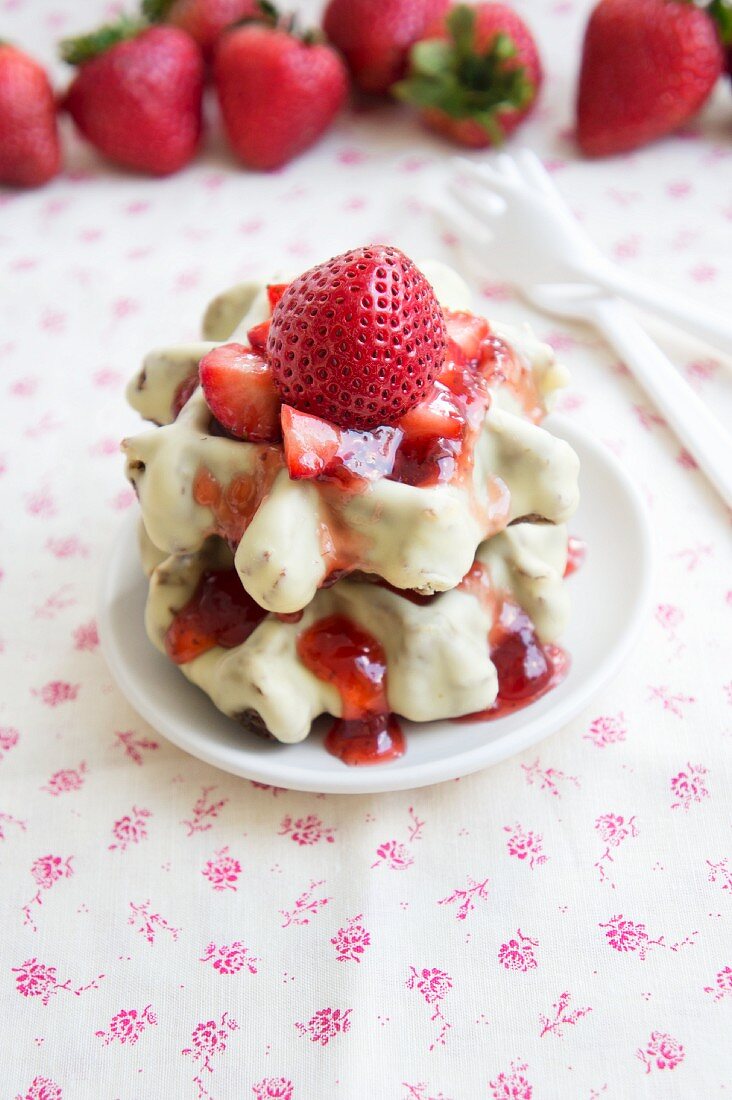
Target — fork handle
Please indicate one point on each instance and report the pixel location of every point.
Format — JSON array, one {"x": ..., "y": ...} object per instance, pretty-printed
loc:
[
  {"x": 685, "y": 413},
  {"x": 707, "y": 324}
]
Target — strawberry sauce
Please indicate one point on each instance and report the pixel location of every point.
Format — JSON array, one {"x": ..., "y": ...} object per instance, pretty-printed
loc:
[
  {"x": 342, "y": 653},
  {"x": 219, "y": 613}
]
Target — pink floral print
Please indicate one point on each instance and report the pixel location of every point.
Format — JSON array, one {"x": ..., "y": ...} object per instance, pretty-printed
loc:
[
  {"x": 607, "y": 730},
  {"x": 551, "y": 780},
  {"x": 134, "y": 745},
  {"x": 130, "y": 829},
  {"x": 204, "y": 813},
  {"x": 46, "y": 870},
  {"x": 209, "y": 1041},
  {"x": 466, "y": 898},
  {"x": 721, "y": 873},
  {"x": 613, "y": 830},
  {"x": 673, "y": 703},
  {"x": 306, "y": 831},
  {"x": 351, "y": 940},
  {"x": 513, "y": 1085},
  {"x": 127, "y": 1026},
  {"x": 65, "y": 780},
  {"x": 325, "y": 1024},
  {"x": 722, "y": 987},
  {"x": 230, "y": 958},
  {"x": 222, "y": 870},
  {"x": 518, "y": 953},
  {"x": 9, "y": 738},
  {"x": 525, "y": 844},
  {"x": 150, "y": 924},
  {"x": 396, "y": 856},
  {"x": 625, "y": 935},
  {"x": 86, "y": 637},
  {"x": 42, "y": 1088},
  {"x": 661, "y": 1051},
  {"x": 274, "y": 1088},
  {"x": 688, "y": 787},
  {"x": 56, "y": 692},
  {"x": 36, "y": 979},
  {"x": 562, "y": 1017},
  {"x": 433, "y": 984},
  {"x": 305, "y": 906}
]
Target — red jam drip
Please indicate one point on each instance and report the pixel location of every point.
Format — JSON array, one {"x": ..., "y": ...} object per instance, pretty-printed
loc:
[
  {"x": 526, "y": 669},
  {"x": 576, "y": 554},
  {"x": 341, "y": 653},
  {"x": 233, "y": 505},
  {"x": 219, "y": 613}
]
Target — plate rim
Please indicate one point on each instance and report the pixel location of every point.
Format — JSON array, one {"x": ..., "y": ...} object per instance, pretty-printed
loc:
[{"x": 381, "y": 780}]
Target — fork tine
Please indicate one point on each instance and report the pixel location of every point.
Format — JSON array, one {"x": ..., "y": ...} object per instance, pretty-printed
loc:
[
  {"x": 489, "y": 178},
  {"x": 456, "y": 220},
  {"x": 535, "y": 171},
  {"x": 506, "y": 165},
  {"x": 477, "y": 206}
]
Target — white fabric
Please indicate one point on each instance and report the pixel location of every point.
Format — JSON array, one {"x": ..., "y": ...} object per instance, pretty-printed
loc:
[{"x": 495, "y": 961}]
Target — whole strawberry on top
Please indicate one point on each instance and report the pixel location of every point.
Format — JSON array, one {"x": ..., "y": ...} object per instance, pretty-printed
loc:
[
  {"x": 375, "y": 36},
  {"x": 137, "y": 94},
  {"x": 278, "y": 92},
  {"x": 358, "y": 340},
  {"x": 29, "y": 148},
  {"x": 204, "y": 20},
  {"x": 476, "y": 74},
  {"x": 647, "y": 68}
]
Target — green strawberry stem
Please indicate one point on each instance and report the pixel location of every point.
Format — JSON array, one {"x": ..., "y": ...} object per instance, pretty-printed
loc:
[
  {"x": 454, "y": 76},
  {"x": 721, "y": 13},
  {"x": 75, "y": 51},
  {"x": 155, "y": 10}
]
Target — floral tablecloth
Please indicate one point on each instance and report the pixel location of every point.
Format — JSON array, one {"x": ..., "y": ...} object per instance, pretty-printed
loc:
[{"x": 555, "y": 928}]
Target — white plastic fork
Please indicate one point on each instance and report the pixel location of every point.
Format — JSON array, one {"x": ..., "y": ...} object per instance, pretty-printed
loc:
[
  {"x": 555, "y": 287},
  {"x": 534, "y": 220}
]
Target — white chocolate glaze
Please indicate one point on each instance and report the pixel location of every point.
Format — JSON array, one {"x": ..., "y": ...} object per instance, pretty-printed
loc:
[
  {"x": 290, "y": 535},
  {"x": 438, "y": 663}
]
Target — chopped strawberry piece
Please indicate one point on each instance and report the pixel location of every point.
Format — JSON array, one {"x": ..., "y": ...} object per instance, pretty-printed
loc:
[
  {"x": 257, "y": 336},
  {"x": 183, "y": 393},
  {"x": 311, "y": 444},
  {"x": 465, "y": 334},
  {"x": 237, "y": 384},
  {"x": 275, "y": 292},
  {"x": 437, "y": 415}
]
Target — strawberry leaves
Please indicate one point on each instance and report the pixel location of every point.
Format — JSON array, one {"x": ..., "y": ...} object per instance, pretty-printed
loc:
[{"x": 466, "y": 81}]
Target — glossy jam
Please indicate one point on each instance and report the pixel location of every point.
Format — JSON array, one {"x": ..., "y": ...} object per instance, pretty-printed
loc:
[
  {"x": 219, "y": 613},
  {"x": 233, "y": 505},
  {"x": 343, "y": 654},
  {"x": 576, "y": 554}
]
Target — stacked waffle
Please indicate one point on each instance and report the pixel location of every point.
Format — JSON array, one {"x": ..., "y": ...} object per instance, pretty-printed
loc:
[{"x": 414, "y": 568}]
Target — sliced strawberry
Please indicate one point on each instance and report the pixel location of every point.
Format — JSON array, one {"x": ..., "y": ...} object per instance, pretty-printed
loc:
[
  {"x": 274, "y": 293},
  {"x": 183, "y": 393},
  {"x": 438, "y": 415},
  {"x": 465, "y": 333},
  {"x": 237, "y": 384},
  {"x": 311, "y": 444},
  {"x": 257, "y": 336}
]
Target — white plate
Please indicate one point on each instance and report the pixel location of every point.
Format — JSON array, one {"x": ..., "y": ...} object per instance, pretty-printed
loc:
[{"x": 610, "y": 595}]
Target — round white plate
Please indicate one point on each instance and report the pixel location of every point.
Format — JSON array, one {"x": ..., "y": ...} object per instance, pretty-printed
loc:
[{"x": 610, "y": 595}]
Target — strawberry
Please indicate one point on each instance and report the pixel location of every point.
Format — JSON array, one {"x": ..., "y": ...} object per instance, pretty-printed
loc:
[
  {"x": 29, "y": 147},
  {"x": 137, "y": 94},
  {"x": 278, "y": 93},
  {"x": 438, "y": 416},
  {"x": 375, "y": 37},
  {"x": 357, "y": 340},
  {"x": 647, "y": 68},
  {"x": 204, "y": 20},
  {"x": 317, "y": 448},
  {"x": 237, "y": 384},
  {"x": 475, "y": 75}
]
